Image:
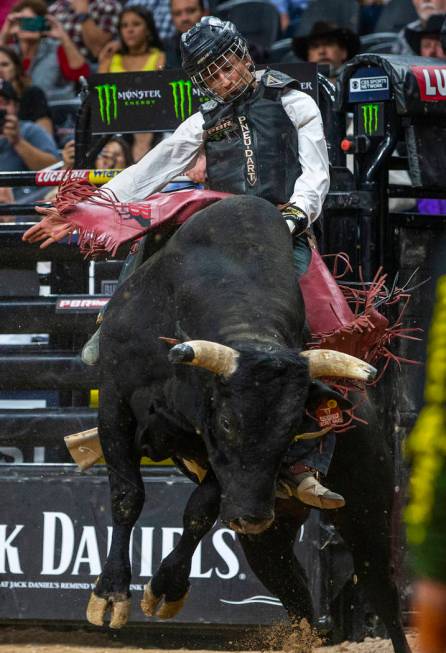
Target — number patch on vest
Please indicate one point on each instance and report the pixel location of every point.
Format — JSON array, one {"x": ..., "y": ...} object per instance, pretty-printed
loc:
[{"x": 251, "y": 169}]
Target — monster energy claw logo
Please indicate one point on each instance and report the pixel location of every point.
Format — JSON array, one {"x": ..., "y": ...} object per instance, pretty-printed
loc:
[
  {"x": 108, "y": 102},
  {"x": 182, "y": 93},
  {"x": 370, "y": 118}
]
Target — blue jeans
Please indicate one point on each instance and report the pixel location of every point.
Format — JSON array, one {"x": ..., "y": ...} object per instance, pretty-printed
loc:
[
  {"x": 301, "y": 254},
  {"x": 316, "y": 453}
]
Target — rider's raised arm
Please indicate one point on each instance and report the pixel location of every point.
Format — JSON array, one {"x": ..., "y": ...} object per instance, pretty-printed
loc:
[
  {"x": 312, "y": 186},
  {"x": 156, "y": 168}
]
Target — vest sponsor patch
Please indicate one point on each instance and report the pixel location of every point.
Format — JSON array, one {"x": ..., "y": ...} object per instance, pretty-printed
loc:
[
  {"x": 251, "y": 168},
  {"x": 431, "y": 82},
  {"x": 220, "y": 127}
]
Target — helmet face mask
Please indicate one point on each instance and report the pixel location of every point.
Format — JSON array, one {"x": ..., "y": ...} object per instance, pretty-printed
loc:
[
  {"x": 216, "y": 58},
  {"x": 229, "y": 76}
]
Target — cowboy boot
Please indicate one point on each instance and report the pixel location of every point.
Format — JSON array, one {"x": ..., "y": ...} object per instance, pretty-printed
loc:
[
  {"x": 311, "y": 492},
  {"x": 305, "y": 486}
]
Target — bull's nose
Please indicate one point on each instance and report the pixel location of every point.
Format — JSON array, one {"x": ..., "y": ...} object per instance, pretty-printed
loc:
[{"x": 250, "y": 525}]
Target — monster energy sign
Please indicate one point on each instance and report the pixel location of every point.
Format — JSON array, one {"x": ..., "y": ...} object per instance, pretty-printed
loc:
[
  {"x": 182, "y": 98},
  {"x": 108, "y": 102},
  {"x": 370, "y": 119},
  {"x": 159, "y": 100}
]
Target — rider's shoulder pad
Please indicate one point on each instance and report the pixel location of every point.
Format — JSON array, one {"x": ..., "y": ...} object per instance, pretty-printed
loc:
[
  {"x": 277, "y": 79},
  {"x": 210, "y": 105}
]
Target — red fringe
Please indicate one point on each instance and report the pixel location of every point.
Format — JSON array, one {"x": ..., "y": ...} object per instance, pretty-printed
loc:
[
  {"x": 369, "y": 335},
  {"x": 95, "y": 240}
]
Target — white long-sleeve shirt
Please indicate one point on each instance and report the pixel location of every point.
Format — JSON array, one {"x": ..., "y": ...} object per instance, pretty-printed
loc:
[{"x": 177, "y": 153}]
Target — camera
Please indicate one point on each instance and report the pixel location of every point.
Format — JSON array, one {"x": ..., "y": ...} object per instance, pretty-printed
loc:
[
  {"x": 3, "y": 113},
  {"x": 34, "y": 24}
]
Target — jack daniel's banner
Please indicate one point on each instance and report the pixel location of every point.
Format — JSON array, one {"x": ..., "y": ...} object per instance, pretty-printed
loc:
[
  {"x": 161, "y": 100},
  {"x": 55, "y": 530}
]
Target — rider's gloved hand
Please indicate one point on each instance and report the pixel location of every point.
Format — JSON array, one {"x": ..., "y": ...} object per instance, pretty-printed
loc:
[{"x": 297, "y": 219}]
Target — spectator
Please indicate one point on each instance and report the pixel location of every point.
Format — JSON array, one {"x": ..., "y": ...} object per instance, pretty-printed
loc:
[
  {"x": 160, "y": 10},
  {"x": 290, "y": 12},
  {"x": 140, "y": 48},
  {"x": 327, "y": 44},
  {"x": 32, "y": 100},
  {"x": 23, "y": 144},
  {"x": 90, "y": 24},
  {"x": 369, "y": 12},
  {"x": 115, "y": 155},
  {"x": 424, "y": 9},
  {"x": 53, "y": 63},
  {"x": 185, "y": 13},
  {"x": 425, "y": 39}
]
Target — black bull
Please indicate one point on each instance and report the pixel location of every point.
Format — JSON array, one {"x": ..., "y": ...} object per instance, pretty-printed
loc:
[{"x": 227, "y": 277}]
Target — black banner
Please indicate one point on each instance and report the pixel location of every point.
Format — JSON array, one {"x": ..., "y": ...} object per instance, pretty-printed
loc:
[
  {"x": 161, "y": 100},
  {"x": 55, "y": 529}
]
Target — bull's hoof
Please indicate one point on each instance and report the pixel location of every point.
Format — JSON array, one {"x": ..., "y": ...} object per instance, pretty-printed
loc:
[
  {"x": 156, "y": 606},
  {"x": 119, "y": 611}
]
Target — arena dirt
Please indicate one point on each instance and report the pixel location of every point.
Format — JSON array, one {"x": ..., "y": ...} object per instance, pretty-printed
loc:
[{"x": 39, "y": 641}]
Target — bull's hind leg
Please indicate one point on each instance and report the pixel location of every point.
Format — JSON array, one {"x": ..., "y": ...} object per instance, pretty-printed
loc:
[
  {"x": 271, "y": 557},
  {"x": 166, "y": 593},
  {"x": 365, "y": 522},
  {"x": 117, "y": 434},
  {"x": 367, "y": 534}
]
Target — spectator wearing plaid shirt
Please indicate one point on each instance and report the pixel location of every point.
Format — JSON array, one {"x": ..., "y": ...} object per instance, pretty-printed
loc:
[
  {"x": 89, "y": 23},
  {"x": 185, "y": 13},
  {"x": 160, "y": 10},
  {"x": 49, "y": 57}
]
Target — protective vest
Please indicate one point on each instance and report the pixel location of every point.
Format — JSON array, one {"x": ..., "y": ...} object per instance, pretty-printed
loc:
[{"x": 251, "y": 145}]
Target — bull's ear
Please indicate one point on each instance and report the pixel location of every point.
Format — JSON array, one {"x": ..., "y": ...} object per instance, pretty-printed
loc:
[{"x": 319, "y": 392}]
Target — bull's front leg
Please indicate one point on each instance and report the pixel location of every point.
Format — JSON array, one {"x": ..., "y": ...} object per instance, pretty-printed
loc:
[
  {"x": 117, "y": 431},
  {"x": 167, "y": 592}
]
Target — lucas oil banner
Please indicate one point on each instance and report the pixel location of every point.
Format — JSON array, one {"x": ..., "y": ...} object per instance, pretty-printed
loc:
[
  {"x": 160, "y": 100},
  {"x": 55, "y": 530}
]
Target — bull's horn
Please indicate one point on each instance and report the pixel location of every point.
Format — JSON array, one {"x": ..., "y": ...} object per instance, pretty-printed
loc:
[
  {"x": 210, "y": 355},
  {"x": 327, "y": 362}
]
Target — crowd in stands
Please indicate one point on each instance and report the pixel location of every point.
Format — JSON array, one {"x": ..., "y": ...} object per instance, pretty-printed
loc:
[{"x": 47, "y": 47}]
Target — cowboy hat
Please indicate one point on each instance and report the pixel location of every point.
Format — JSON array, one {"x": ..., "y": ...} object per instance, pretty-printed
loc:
[
  {"x": 413, "y": 33},
  {"x": 325, "y": 30}
]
